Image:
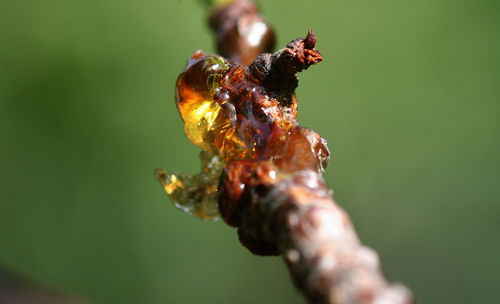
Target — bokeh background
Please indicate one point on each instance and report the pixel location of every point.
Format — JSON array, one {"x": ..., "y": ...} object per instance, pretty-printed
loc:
[{"x": 408, "y": 98}]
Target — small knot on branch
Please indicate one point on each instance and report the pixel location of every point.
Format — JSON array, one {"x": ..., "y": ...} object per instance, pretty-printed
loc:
[
  {"x": 303, "y": 51},
  {"x": 310, "y": 41},
  {"x": 277, "y": 72}
]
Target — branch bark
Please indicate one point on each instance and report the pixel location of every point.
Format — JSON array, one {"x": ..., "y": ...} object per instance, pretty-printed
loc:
[{"x": 294, "y": 215}]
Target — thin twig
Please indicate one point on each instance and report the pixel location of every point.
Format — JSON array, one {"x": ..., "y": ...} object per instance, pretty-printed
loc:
[
  {"x": 262, "y": 168},
  {"x": 296, "y": 216}
]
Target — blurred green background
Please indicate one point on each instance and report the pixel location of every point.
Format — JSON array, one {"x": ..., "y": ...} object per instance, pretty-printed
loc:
[{"x": 408, "y": 98}]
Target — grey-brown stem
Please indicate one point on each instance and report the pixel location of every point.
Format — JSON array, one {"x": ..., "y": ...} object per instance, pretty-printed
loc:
[{"x": 296, "y": 216}]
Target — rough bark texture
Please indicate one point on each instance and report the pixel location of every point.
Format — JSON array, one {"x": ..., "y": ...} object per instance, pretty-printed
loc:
[{"x": 295, "y": 214}]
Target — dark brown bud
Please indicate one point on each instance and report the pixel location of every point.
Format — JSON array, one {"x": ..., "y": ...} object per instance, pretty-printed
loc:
[
  {"x": 238, "y": 180},
  {"x": 242, "y": 34}
]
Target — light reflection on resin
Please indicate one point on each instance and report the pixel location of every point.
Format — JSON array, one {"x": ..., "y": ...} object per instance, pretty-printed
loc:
[
  {"x": 195, "y": 194},
  {"x": 232, "y": 118}
]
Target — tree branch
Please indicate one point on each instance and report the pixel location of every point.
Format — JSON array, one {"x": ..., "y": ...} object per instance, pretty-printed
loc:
[
  {"x": 242, "y": 112},
  {"x": 297, "y": 216}
]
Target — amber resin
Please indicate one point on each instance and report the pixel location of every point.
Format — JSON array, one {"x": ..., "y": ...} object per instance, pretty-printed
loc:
[
  {"x": 242, "y": 122},
  {"x": 195, "y": 91},
  {"x": 195, "y": 194}
]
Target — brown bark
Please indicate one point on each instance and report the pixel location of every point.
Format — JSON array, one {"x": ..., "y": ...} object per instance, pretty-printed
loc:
[{"x": 295, "y": 214}]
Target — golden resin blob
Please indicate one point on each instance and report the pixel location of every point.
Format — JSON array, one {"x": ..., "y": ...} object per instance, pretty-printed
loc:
[
  {"x": 194, "y": 99},
  {"x": 231, "y": 116},
  {"x": 203, "y": 123}
]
